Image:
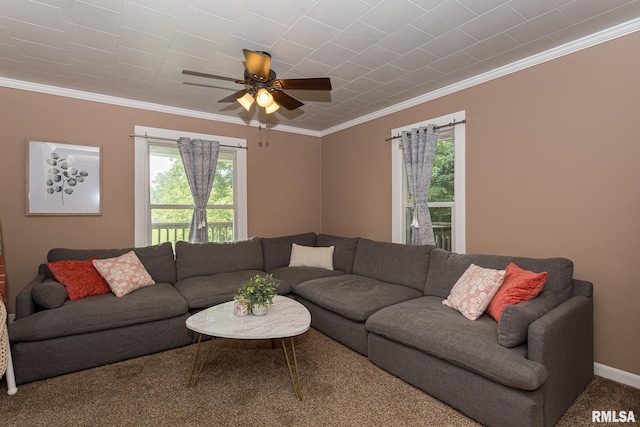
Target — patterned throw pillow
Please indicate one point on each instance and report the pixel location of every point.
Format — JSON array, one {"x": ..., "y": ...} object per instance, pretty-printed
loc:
[
  {"x": 519, "y": 285},
  {"x": 474, "y": 290},
  {"x": 124, "y": 274},
  {"x": 79, "y": 277}
]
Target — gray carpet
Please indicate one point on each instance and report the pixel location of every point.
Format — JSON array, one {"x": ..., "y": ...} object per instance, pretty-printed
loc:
[{"x": 247, "y": 383}]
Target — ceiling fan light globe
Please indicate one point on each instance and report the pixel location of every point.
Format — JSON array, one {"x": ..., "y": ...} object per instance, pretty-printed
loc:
[
  {"x": 246, "y": 101},
  {"x": 264, "y": 98},
  {"x": 271, "y": 108}
]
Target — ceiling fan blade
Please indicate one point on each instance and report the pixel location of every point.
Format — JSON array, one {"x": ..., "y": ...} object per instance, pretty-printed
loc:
[
  {"x": 235, "y": 96},
  {"x": 318, "y": 83},
  {"x": 257, "y": 63},
  {"x": 287, "y": 101},
  {"x": 211, "y": 76},
  {"x": 212, "y": 86}
]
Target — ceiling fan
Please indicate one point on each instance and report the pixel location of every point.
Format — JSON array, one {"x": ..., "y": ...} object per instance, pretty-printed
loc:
[{"x": 261, "y": 85}]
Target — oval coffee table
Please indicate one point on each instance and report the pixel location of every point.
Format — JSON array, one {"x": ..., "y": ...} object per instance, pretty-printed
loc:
[{"x": 286, "y": 318}]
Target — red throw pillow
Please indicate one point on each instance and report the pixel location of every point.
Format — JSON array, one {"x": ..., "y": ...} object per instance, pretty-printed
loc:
[
  {"x": 79, "y": 277},
  {"x": 519, "y": 285}
]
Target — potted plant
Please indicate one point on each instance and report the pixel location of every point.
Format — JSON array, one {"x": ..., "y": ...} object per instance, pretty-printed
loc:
[{"x": 257, "y": 292}]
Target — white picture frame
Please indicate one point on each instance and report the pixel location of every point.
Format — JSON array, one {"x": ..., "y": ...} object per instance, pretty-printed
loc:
[{"x": 63, "y": 179}]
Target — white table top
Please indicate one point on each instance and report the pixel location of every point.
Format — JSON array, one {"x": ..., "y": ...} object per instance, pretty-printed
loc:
[{"x": 285, "y": 318}]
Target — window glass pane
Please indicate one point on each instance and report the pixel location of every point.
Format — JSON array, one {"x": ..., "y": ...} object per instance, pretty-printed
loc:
[
  {"x": 442, "y": 177},
  {"x": 168, "y": 181},
  {"x": 222, "y": 191},
  {"x": 441, "y": 221}
]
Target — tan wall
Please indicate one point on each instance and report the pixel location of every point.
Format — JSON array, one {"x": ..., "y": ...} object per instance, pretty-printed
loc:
[
  {"x": 552, "y": 170},
  {"x": 283, "y": 179}
]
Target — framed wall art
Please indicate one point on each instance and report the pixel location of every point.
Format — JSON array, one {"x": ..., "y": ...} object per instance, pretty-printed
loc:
[{"x": 63, "y": 179}]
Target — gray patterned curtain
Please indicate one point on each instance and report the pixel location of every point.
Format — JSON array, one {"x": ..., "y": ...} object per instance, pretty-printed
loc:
[
  {"x": 419, "y": 148},
  {"x": 200, "y": 158}
]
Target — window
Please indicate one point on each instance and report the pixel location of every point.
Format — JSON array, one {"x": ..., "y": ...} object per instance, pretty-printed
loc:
[
  {"x": 446, "y": 194},
  {"x": 163, "y": 202}
]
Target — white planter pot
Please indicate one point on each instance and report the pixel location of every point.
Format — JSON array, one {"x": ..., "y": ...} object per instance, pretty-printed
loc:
[{"x": 259, "y": 310}]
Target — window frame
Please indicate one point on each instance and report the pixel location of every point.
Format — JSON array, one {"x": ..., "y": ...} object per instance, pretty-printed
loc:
[
  {"x": 142, "y": 226},
  {"x": 399, "y": 186}
]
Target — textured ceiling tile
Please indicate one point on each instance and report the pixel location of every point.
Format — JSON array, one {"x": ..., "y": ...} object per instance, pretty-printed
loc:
[
  {"x": 173, "y": 7},
  {"x": 192, "y": 45},
  {"x": 325, "y": 11},
  {"x": 530, "y": 9},
  {"x": 259, "y": 29},
  {"x": 405, "y": 39},
  {"x": 539, "y": 27},
  {"x": 449, "y": 43},
  {"x": 332, "y": 54},
  {"x": 32, "y": 12},
  {"x": 498, "y": 20},
  {"x": 90, "y": 37},
  {"x": 374, "y": 57},
  {"x": 481, "y": 7},
  {"x": 88, "y": 54},
  {"x": 349, "y": 71},
  {"x": 582, "y": 29},
  {"x": 390, "y": 15},
  {"x": 585, "y": 9},
  {"x": 230, "y": 10},
  {"x": 358, "y": 37},
  {"x": 204, "y": 25},
  {"x": 286, "y": 12},
  {"x": 415, "y": 59},
  {"x": 310, "y": 33},
  {"x": 443, "y": 18},
  {"x": 453, "y": 62},
  {"x": 148, "y": 20},
  {"x": 90, "y": 16},
  {"x": 143, "y": 42},
  {"x": 41, "y": 51},
  {"x": 386, "y": 73},
  {"x": 491, "y": 46}
]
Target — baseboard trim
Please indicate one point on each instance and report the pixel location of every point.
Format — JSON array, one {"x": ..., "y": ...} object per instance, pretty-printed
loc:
[{"x": 618, "y": 375}]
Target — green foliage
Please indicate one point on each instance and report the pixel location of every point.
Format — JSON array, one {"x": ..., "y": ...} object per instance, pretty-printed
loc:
[
  {"x": 442, "y": 175},
  {"x": 259, "y": 290},
  {"x": 172, "y": 188}
]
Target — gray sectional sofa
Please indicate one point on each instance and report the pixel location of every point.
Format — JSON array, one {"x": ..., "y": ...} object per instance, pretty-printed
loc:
[{"x": 382, "y": 300}]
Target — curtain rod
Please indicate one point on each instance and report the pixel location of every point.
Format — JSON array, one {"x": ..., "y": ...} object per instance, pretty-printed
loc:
[
  {"x": 453, "y": 123},
  {"x": 160, "y": 138}
]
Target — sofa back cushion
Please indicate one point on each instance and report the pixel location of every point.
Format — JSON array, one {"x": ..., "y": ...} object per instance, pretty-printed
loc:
[
  {"x": 393, "y": 263},
  {"x": 158, "y": 260},
  {"x": 205, "y": 259},
  {"x": 447, "y": 267},
  {"x": 344, "y": 253},
  {"x": 277, "y": 250}
]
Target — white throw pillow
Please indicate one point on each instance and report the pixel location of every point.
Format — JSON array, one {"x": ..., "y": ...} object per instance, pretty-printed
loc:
[
  {"x": 310, "y": 256},
  {"x": 474, "y": 290}
]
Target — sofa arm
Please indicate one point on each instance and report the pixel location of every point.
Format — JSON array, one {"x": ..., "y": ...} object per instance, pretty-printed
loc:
[
  {"x": 562, "y": 340},
  {"x": 25, "y": 306}
]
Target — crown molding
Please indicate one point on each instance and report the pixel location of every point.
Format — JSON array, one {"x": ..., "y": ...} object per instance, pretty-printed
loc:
[
  {"x": 548, "y": 55},
  {"x": 131, "y": 103}
]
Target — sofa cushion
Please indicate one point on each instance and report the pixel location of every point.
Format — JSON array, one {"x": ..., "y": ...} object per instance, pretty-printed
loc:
[
  {"x": 344, "y": 253},
  {"x": 446, "y": 268},
  {"x": 311, "y": 256},
  {"x": 49, "y": 294},
  {"x": 277, "y": 250},
  {"x": 101, "y": 312},
  {"x": 296, "y": 275},
  {"x": 205, "y": 291},
  {"x": 427, "y": 325},
  {"x": 124, "y": 273},
  {"x": 352, "y": 296},
  {"x": 205, "y": 259},
  {"x": 513, "y": 327},
  {"x": 80, "y": 278},
  {"x": 519, "y": 285},
  {"x": 393, "y": 263},
  {"x": 158, "y": 259}
]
